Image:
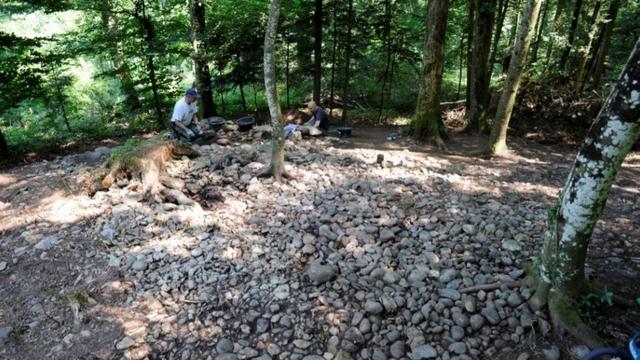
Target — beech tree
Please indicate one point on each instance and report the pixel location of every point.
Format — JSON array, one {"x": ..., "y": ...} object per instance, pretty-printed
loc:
[
  {"x": 427, "y": 123},
  {"x": 560, "y": 269},
  {"x": 498, "y": 141},
  {"x": 276, "y": 167}
]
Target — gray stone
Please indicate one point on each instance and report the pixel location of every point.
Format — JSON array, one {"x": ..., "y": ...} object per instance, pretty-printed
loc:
[
  {"x": 352, "y": 340},
  {"x": 457, "y": 333},
  {"x": 379, "y": 355},
  {"x": 390, "y": 277},
  {"x": 448, "y": 275},
  {"x": 460, "y": 319},
  {"x": 470, "y": 304},
  {"x": 514, "y": 299},
  {"x": 319, "y": 273},
  {"x": 139, "y": 265},
  {"x": 511, "y": 245},
  {"x": 262, "y": 325},
  {"x": 450, "y": 294},
  {"x": 47, "y": 243},
  {"x": 398, "y": 349},
  {"x": 458, "y": 348},
  {"x": 5, "y": 332},
  {"x": 227, "y": 356},
  {"x": 125, "y": 343},
  {"x": 281, "y": 292},
  {"x": 424, "y": 352},
  {"x": 491, "y": 314},
  {"x": 581, "y": 351},
  {"x": 386, "y": 235},
  {"x": 224, "y": 345},
  {"x": 476, "y": 322},
  {"x": 523, "y": 356},
  {"x": 526, "y": 320},
  {"x": 468, "y": 229},
  {"x": 373, "y": 307},
  {"x": 551, "y": 354},
  {"x": 388, "y": 303},
  {"x": 3, "y": 265},
  {"x": 313, "y": 357}
]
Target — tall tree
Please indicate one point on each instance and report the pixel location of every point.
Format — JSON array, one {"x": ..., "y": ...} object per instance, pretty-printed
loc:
[
  {"x": 541, "y": 25},
  {"x": 317, "y": 51},
  {"x": 276, "y": 167},
  {"x": 555, "y": 28},
  {"x": 389, "y": 52},
  {"x": 334, "y": 46},
  {"x": 347, "y": 67},
  {"x": 199, "y": 55},
  {"x": 120, "y": 65},
  {"x": 572, "y": 34},
  {"x": 586, "y": 50},
  {"x": 479, "y": 97},
  {"x": 4, "y": 147},
  {"x": 498, "y": 141},
  {"x": 427, "y": 123},
  {"x": 149, "y": 34},
  {"x": 603, "y": 48},
  {"x": 503, "y": 6},
  {"x": 583, "y": 198}
]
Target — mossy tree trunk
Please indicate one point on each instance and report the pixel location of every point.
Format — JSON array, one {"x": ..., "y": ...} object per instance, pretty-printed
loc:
[
  {"x": 561, "y": 275},
  {"x": 276, "y": 168},
  {"x": 199, "y": 55},
  {"x": 484, "y": 11},
  {"x": 427, "y": 123},
  {"x": 498, "y": 141}
]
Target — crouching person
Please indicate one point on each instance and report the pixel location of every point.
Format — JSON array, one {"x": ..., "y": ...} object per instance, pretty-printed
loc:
[{"x": 184, "y": 121}]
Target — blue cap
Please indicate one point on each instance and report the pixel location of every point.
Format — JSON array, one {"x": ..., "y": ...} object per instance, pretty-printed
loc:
[{"x": 193, "y": 92}]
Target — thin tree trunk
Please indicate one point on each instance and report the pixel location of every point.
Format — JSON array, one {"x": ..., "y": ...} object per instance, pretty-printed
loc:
[
  {"x": 572, "y": 34},
  {"x": 572, "y": 220},
  {"x": 577, "y": 84},
  {"x": 287, "y": 39},
  {"x": 333, "y": 58},
  {"x": 554, "y": 31},
  {"x": 461, "y": 66},
  {"x": 428, "y": 122},
  {"x": 62, "y": 106},
  {"x": 347, "y": 68},
  {"x": 276, "y": 167},
  {"x": 479, "y": 93},
  {"x": 255, "y": 97},
  {"x": 470, "y": 40},
  {"x": 203, "y": 74},
  {"x": 498, "y": 142},
  {"x": 598, "y": 66},
  {"x": 242, "y": 97},
  {"x": 4, "y": 147},
  {"x": 502, "y": 13},
  {"x": 541, "y": 25},
  {"x": 387, "y": 40},
  {"x": 149, "y": 35},
  {"x": 317, "y": 51},
  {"x": 516, "y": 23}
]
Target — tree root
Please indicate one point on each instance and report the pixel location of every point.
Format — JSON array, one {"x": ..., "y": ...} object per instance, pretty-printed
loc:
[
  {"x": 489, "y": 287},
  {"x": 567, "y": 321},
  {"x": 268, "y": 171}
]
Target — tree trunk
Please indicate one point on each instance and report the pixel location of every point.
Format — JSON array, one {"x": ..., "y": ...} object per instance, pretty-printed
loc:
[
  {"x": 287, "y": 39},
  {"x": 470, "y": 40},
  {"x": 541, "y": 25},
  {"x": 317, "y": 51},
  {"x": 387, "y": 43},
  {"x": 203, "y": 74},
  {"x": 586, "y": 50},
  {"x": 462, "y": 36},
  {"x": 502, "y": 13},
  {"x": 572, "y": 34},
  {"x": 598, "y": 66},
  {"x": 428, "y": 122},
  {"x": 347, "y": 67},
  {"x": 63, "y": 108},
  {"x": 4, "y": 147},
  {"x": 572, "y": 220},
  {"x": 479, "y": 86},
  {"x": 333, "y": 58},
  {"x": 498, "y": 142},
  {"x": 255, "y": 97},
  {"x": 149, "y": 36},
  {"x": 276, "y": 168},
  {"x": 554, "y": 31},
  {"x": 242, "y": 97},
  {"x": 515, "y": 22}
]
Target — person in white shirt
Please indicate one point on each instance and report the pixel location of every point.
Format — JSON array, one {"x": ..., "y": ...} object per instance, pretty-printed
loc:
[{"x": 184, "y": 121}]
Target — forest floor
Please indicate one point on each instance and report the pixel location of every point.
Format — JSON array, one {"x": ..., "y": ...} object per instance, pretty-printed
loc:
[{"x": 349, "y": 259}]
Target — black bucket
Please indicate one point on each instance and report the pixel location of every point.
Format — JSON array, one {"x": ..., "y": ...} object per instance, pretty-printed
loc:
[
  {"x": 344, "y": 131},
  {"x": 216, "y": 122},
  {"x": 246, "y": 123}
]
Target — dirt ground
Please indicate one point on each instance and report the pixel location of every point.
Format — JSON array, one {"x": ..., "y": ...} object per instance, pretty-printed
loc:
[{"x": 66, "y": 303}]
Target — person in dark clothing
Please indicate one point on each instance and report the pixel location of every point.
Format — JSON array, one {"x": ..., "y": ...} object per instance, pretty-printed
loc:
[{"x": 319, "y": 118}]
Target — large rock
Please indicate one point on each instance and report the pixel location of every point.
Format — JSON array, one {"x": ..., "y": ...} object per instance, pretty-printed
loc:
[{"x": 424, "y": 352}]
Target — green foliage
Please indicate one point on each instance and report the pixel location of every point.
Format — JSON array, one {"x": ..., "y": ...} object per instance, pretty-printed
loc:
[{"x": 126, "y": 154}]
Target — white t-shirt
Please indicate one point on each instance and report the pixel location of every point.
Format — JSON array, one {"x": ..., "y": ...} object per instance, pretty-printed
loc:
[{"x": 184, "y": 112}]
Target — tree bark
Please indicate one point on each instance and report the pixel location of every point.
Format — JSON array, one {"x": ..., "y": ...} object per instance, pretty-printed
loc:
[
  {"x": 479, "y": 86},
  {"x": 541, "y": 25},
  {"x": 276, "y": 167},
  {"x": 389, "y": 49},
  {"x": 583, "y": 198},
  {"x": 203, "y": 74},
  {"x": 462, "y": 36},
  {"x": 554, "y": 32},
  {"x": 149, "y": 36},
  {"x": 288, "y": 59},
  {"x": 498, "y": 142},
  {"x": 317, "y": 51},
  {"x": 470, "y": 40},
  {"x": 586, "y": 50},
  {"x": 347, "y": 67},
  {"x": 502, "y": 13},
  {"x": 333, "y": 57},
  {"x": 572, "y": 34},
  {"x": 427, "y": 123},
  {"x": 598, "y": 67}
]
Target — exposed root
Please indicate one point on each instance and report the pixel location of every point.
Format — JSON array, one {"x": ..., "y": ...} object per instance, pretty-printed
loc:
[
  {"x": 567, "y": 321},
  {"x": 489, "y": 287},
  {"x": 268, "y": 171},
  {"x": 440, "y": 143}
]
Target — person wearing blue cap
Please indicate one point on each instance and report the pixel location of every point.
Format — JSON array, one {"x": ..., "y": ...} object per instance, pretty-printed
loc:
[{"x": 184, "y": 121}]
